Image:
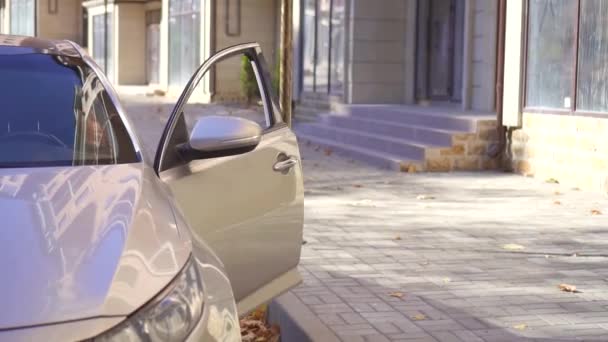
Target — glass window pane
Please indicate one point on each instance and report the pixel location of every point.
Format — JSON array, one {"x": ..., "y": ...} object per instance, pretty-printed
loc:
[
  {"x": 322, "y": 65},
  {"x": 592, "y": 88},
  {"x": 551, "y": 40},
  {"x": 99, "y": 43},
  {"x": 22, "y": 17},
  {"x": 66, "y": 123},
  {"x": 337, "y": 46},
  {"x": 308, "y": 67},
  {"x": 184, "y": 40}
]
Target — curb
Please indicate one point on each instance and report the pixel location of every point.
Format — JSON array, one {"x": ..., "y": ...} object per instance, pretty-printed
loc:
[{"x": 297, "y": 322}]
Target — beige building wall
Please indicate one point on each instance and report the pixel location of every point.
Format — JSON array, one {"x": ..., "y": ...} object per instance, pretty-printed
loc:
[
  {"x": 570, "y": 149},
  {"x": 376, "y": 63},
  {"x": 130, "y": 23},
  {"x": 382, "y": 63},
  {"x": 258, "y": 24},
  {"x": 62, "y": 22}
]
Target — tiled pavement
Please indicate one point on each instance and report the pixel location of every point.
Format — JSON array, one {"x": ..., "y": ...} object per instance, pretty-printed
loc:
[
  {"x": 439, "y": 241},
  {"x": 476, "y": 256}
]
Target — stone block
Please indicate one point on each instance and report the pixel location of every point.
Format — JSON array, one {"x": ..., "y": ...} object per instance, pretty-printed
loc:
[
  {"x": 467, "y": 164},
  {"x": 441, "y": 164},
  {"x": 456, "y": 150}
]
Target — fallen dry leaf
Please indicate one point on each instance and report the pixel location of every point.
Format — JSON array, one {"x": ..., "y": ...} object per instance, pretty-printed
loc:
[
  {"x": 567, "y": 288},
  {"x": 328, "y": 151},
  {"x": 557, "y": 193},
  {"x": 397, "y": 237},
  {"x": 357, "y": 186},
  {"x": 557, "y": 203},
  {"x": 424, "y": 197},
  {"x": 255, "y": 328},
  {"x": 409, "y": 168},
  {"x": 513, "y": 247},
  {"x": 552, "y": 181},
  {"x": 520, "y": 326},
  {"x": 596, "y": 212},
  {"x": 419, "y": 317},
  {"x": 397, "y": 294}
]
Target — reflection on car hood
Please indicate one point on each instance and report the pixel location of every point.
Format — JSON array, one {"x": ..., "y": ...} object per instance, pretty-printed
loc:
[{"x": 81, "y": 242}]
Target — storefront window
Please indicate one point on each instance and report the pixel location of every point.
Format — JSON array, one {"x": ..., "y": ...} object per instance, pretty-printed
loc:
[
  {"x": 551, "y": 40},
  {"x": 101, "y": 51},
  {"x": 338, "y": 37},
  {"x": 560, "y": 62},
  {"x": 23, "y": 17},
  {"x": 309, "y": 47},
  {"x": 323, "y": 46},
  {"x": 592, "y": 87},
  {"x": 184, "y": 40}
]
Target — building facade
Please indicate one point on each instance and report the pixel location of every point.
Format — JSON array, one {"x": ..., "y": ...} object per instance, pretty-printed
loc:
[
  {"x": 556, "y": 90},
  {"x": 160, "y": 44},
  {"x": 52, "y": 19},
  {"x": 397, "y": 51}
]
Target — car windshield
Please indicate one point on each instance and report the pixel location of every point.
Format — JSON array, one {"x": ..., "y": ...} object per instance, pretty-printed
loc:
[{"x": 56, "y": 112}]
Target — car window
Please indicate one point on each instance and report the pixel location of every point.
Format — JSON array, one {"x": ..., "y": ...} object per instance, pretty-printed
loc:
[
  {"x": 56, "y": 112},
  {"x": 231, "y": 88}
]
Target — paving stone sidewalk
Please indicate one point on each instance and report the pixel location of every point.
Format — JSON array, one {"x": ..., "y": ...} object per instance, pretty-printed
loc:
[
  {"x": 465, "y": 256},
  {"x": 436, "y": 242}
]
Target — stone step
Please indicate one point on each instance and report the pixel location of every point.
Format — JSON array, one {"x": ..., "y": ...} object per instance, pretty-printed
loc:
[
  {"x": 426, "y": 117},
  {"x": 422, "y": 134},
  {"x": 401, "y": 148},
  {"x": 372, "y": 157}
]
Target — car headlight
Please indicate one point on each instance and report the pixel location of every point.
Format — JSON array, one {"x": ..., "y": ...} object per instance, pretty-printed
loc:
[{"x": 169, "y": 317}]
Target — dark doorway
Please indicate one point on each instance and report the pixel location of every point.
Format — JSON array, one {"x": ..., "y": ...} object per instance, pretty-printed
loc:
[{"x": 440, "y": 43}]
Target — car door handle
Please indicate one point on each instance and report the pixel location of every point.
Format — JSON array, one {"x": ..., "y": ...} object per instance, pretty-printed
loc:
[{"x": 284, "y": 163}]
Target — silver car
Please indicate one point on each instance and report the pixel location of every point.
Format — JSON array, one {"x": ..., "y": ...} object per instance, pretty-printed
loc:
[{"x": 99, "y": 244}]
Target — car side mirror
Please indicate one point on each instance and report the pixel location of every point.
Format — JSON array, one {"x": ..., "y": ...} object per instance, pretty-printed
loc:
[{"x": 221, "y": 136}]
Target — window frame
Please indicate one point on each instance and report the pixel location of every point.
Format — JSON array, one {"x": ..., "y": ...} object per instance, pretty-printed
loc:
[
  {"x": 328, "y": 88},
  {"x": 15, "y": 8},
  {"x": 573, "y": 111}
]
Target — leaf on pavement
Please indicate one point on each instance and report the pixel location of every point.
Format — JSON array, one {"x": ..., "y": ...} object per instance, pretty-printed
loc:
[
  {"x": 520, "y": 326},
  {"x": 357, "y": 186},
  {"x": 419, "y": 317},
  {"x": 328, "y": 151},
  {"x": 425, "y": 197},
  {"x": 567, "y": 288},
  {"x": 513, "y": 247},
  {"x": 409, "y": 168},
  {"x": 363, "y": 203},
  {"x": 557, "y": 203},
  {"x": 397, "y": 294},
  {"x": 557, "y": 193},
  {"x": 596, "y": 212},
  {"x": 552, "y": 181},
  {"x": 398, "y": 237}
]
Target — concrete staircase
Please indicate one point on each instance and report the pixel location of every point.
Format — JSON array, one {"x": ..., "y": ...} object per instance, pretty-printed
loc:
[{"x": 405, "y": 138}]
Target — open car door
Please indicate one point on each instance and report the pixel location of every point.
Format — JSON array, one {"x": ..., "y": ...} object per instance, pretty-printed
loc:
[{"x": 247, "y": 206}]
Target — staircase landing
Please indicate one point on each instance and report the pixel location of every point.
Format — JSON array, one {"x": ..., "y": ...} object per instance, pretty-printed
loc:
[{"x": 406, "y": 138}]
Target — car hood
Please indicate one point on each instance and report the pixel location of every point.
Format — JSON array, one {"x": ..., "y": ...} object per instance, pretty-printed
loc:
[{"x": 84, "y": 242}]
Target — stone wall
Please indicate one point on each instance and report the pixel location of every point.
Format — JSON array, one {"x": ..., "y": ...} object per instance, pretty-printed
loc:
[
  {"x": 259, "y": 23},
  {"x": 469, "y": 151},
  {"x": 65, "y": 22},
  {"x": 377, "y": 52},
  {"x": 570, "y": 149}
]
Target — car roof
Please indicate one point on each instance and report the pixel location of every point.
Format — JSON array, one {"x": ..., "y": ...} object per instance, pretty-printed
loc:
[{"x": 12, "y": 45}]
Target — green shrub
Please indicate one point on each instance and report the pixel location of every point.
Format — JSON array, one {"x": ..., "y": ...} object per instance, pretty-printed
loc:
[{"x": 249, "y": 84}]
